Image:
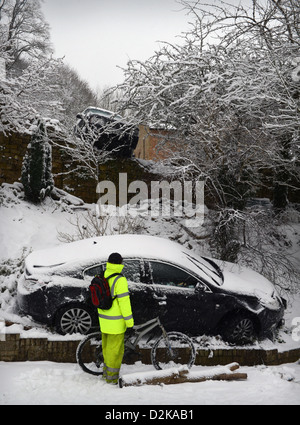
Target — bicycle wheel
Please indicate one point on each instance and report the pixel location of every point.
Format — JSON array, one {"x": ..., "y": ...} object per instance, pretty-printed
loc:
[
  {"x": 89, "y": 354},
  {"x": 176, "y": 349}
]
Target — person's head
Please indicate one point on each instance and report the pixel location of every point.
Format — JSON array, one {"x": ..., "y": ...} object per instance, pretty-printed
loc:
[{"x": 115, "y": 258}]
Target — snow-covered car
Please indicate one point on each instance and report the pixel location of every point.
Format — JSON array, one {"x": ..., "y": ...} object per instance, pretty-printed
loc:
[
  {"x": 107, "y": 131},
  {"x": 190, "y": 293}
]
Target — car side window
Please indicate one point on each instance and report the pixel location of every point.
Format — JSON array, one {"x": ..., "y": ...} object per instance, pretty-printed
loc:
[
  {"x": 93, "y": 271},
  {"x": 132, "y": 270},
  {"x": 167, "y": 274}
]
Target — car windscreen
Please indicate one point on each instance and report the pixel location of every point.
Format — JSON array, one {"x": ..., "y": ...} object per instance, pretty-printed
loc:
[{"x": 209, "y": 268}]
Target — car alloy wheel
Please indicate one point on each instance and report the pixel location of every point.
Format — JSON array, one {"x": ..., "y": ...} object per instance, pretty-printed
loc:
[
  {"x": 75, "y": 320},
  {"x": 244, "y": 331},
  {"x": 239, "y": 329}
]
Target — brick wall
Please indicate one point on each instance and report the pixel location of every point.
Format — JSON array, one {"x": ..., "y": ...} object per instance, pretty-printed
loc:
[
  {"x": 149, "y": 144},
  {"x": 17, "y": 349},
  {"x": 14, "y": 348}
]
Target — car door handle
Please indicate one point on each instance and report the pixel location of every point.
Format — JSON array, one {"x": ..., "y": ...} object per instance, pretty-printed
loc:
[{"x": 159, "y": 298}]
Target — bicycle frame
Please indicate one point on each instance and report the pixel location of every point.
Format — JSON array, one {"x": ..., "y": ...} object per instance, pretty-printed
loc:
[
  {"x": 142, "y": 330},
  {"x": 162, "y": 342}
]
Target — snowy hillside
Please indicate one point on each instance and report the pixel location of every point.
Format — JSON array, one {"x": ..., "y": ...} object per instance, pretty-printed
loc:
[{"x": 24, "y": 228}]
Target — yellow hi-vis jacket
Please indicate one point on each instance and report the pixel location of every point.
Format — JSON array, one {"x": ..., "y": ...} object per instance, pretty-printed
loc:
[{"x": 119, "y": 317}]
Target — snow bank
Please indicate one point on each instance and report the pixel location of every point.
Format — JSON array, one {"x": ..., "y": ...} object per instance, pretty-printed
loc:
[{"x": 25, "y": 227}]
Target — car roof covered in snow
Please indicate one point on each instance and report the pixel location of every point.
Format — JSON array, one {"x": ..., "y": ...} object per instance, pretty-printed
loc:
[{"x": 84, "y": 253}]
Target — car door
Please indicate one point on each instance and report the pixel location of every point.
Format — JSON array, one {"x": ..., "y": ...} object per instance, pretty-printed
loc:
[
  {"x": 138, "y": 284},
  {"x": 189, "y": 303},
  {"x": 142, "y": 302}
]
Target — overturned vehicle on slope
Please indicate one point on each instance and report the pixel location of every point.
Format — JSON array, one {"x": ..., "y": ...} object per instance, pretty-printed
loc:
[{"x": 107, "y": 131}]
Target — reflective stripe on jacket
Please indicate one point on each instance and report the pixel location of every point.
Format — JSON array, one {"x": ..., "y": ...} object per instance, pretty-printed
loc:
[{"x": 119, "y": 317}]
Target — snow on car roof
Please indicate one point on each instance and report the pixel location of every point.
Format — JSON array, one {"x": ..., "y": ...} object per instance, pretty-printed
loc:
[
  {"x": 95, "y": 250},
  {"x": 101, "y": 112}
]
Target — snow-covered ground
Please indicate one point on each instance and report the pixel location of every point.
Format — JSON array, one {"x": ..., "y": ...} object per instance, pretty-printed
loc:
[
  {"x": 24, "y": 228},
  {"x": 53, "y": 383}
]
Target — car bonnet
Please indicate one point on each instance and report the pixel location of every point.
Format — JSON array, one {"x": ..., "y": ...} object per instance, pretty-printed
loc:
[{"x": 244, "y": 281}]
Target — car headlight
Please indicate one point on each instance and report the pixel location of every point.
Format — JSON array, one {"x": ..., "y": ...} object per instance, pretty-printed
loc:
[
  {"x": 273, "y": 302},
  {"x": 28, "y": 285}
]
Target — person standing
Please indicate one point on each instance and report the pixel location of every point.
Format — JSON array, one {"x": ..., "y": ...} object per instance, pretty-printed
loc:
[{"x": 115, "y": 321}]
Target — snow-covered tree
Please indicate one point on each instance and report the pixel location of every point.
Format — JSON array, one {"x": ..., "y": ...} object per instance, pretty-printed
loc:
[
  {"x": 229, "y": 91},
  {"x": 34, "y": 84},
  {"x": 37, "y": 166},
  {"x": 73, "y": 93},
  {"x": 25, "y": 49},
  {"x": 28, "y": 96},
  {"x": 24, "y": 34}
]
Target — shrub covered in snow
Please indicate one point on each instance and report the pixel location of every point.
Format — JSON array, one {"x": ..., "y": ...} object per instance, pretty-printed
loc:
[{"x": 37, "y": 176}]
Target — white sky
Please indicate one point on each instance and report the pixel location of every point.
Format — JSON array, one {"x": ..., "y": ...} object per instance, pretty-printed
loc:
[{"x": 97, "y": 36}]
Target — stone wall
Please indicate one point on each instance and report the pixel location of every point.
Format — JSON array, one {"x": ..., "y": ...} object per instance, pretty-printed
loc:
[{"x": 13, "y": 149}]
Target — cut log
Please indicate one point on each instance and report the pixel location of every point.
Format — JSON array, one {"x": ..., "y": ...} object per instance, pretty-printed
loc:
[
  {"x": 233, "y": 366},
  {"x": 156, "y": 377},
  {"x": 182, "y": 375}
]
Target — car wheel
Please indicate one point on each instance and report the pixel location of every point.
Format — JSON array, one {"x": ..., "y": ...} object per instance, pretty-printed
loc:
[
  {"x": 239, "y": 329},
  {"x": 74, "y": 319}
]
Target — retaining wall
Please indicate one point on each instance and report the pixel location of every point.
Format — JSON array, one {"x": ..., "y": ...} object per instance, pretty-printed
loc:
[
  {"x": 13, "y": 149},
  {"x": 14, "y": 348}
]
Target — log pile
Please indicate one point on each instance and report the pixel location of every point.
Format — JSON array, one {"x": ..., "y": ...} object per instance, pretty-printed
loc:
[{"x": 182, "y": 375}]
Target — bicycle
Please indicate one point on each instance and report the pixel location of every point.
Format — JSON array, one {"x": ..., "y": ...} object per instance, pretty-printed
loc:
[{"x": 170, "y": 348}]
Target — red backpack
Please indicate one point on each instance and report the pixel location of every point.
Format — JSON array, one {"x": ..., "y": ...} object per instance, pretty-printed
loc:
[{"x": 100, "y": 292}]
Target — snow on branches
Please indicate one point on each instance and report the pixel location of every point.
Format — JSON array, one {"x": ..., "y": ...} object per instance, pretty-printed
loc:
[{"x": 229, "y": 92}]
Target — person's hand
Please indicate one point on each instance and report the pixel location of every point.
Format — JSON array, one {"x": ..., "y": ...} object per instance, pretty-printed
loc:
[{"x": 130, "y": 332}]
